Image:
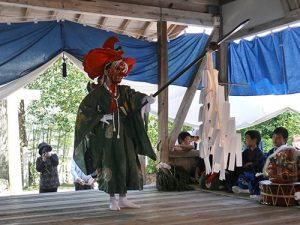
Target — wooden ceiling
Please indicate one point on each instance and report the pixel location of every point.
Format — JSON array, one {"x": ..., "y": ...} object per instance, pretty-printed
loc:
[{"x": 136, "y": 18}]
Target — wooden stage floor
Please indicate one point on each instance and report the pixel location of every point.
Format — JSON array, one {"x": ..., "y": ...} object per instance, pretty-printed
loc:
[{"x": 190, "y": 207}]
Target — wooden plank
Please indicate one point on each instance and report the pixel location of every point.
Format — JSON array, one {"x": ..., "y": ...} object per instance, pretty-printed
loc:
[
  {"x": 102, "y": 21},
  {"x": 176, "y": 31},
  {"x": 144, "y": 29},
  {"x": 163, "y": 132},
  {"x": 285, "y": 6},
  {"x": 26, "y": 12},
  {"x": 189, "y": 207},
  {"x": 78, "y": 18},
  {"x": 292, "y": 17},
  {"x": 123, "y": 26},
  {"x": 52, "y": 15},
  {"x": 117, "y": 9}
]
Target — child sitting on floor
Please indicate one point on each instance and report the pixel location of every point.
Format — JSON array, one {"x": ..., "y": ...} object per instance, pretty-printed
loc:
[{"x": 252, "y": 158}]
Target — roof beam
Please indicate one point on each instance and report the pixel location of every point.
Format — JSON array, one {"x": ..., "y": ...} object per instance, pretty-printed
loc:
[
  {"x": 266, "y": 26},
  {"x": 101, "y": 21},
  {"x": 52, "y": 15},
  {"x": 125, "y": 10},
  {"x": 123, "y": 26},
  {"x": 285, "y": 7},
  {"x": 176, "y": 30},
  {"x": 144, "y": 29},
  {"x": 26, "y": 12},
  {"x": 78, "y": 17}
]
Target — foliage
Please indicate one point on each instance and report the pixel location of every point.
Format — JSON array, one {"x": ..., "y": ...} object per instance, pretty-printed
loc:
[
  {"x": 288, "y": 119},
  {"x": 52, "y": 118},
  {"x": 153, "y": 136},
  {"x": 151, "y": 166}
]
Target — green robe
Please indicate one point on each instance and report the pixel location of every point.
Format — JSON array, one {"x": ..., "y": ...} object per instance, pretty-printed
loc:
[{"x": 116, "y": 159}]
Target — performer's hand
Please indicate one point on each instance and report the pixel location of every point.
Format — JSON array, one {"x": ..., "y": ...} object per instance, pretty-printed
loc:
[
  {"x": 80, "y": 181},
  {"x": 150, "y": 99},
  {"x": 91, "y": 181},
  {"x": 105, "y": 118}
]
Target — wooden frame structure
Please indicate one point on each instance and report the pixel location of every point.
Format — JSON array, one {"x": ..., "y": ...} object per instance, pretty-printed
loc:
[{"x": 148, "y": 19}]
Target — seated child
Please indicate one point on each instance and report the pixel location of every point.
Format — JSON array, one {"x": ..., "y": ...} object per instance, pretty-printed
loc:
[
  {"x": 279, "y": 138},
  {"x": 184, "y": 142},
  {"x": 252, "y": 158}
]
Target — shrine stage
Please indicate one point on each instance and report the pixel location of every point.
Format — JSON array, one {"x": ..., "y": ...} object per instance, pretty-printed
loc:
[{"x": 189, "y": 207}]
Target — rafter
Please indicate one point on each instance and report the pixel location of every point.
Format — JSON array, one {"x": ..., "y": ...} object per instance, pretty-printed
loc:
[
  {"x": 78, "y": 18},
  {"x": 101, "y": 21},
  {"x": 176, "y": 30},
  {"x": 26, "y": 12},
  {"x": 123, "y": 26},
  {"x": 52, "y": 15},
  {"x": 124, "y": 10},
  {"x": 171, "y": 28}
]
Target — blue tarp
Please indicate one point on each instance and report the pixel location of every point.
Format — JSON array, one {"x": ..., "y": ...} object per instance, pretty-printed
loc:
[
  {"x": 26, "y": 46},
  {"x": 269, "y": 65}
]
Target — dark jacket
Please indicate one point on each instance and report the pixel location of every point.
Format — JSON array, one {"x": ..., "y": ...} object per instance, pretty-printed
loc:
[{"x": 48, "y": 172}]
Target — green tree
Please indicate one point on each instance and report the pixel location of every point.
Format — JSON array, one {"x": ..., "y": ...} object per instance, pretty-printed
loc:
[
  {"x": 288, "y": 119},
  {"x": 52, "y": 118},
  {"x": 153, "y": 136}
]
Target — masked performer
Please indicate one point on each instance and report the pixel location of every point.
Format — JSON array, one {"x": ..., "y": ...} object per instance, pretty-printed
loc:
[{"x": 107, "y": 127}]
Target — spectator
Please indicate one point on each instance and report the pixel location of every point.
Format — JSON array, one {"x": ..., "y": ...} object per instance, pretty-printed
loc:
[
  {"x": 81, "y": 181},
  {"x": 184, "y": 142},
  {"x": 252, "y": 158},
  {"x": 46, "y": 164},
  {"x": 279, "y": 138}
]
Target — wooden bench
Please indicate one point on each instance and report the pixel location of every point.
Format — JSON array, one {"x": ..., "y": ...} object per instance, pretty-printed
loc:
[{"x": 187, "y": 160}]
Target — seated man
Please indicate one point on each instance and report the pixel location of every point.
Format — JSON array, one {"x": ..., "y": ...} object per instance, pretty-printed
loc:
[{"x": 184, "y": 142}]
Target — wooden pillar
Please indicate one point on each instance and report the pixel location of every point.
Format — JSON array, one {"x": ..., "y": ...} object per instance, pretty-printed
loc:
[
  {"x": 222, "y": 61},
  {"x": 13, "y": 142},
  {"x": 223, "y": 68},
  {"x": 190, "y": 93},
  {"x": 162, "y": 45},
  {"x": 186, "y": 103}
]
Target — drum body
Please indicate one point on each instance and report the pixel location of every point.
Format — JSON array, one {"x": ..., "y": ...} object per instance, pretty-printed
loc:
[{"x": 278, "y": 194}]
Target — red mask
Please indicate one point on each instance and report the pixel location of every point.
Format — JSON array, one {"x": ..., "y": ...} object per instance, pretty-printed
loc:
[{"x": 117, "y": 70}]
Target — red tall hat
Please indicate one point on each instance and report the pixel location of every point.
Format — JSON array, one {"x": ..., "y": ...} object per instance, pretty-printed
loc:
[{"x": 95, "y": 60}]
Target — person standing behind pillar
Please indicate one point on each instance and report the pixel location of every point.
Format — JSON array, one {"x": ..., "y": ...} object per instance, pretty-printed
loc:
[
  {"x": 47, "y": 164},
  {"x": 81, "y": 181}
]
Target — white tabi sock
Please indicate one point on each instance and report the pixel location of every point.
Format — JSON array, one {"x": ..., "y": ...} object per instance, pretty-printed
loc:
[
  {"x": 113, "y": 204},
  {"x": 124, "y": 203}
]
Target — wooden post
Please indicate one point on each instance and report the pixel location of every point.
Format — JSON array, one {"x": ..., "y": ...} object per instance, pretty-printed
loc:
[
  {"x": 223, "y": 67},
  {"x": 222, "y": 60},
  {"x": 13, "y": 143},
  {"x": 13, "y": 137},
  {"x": 163, "y": 96},
  {"x": 186, "y": 103},
  {"x": 188, "y": 97}
]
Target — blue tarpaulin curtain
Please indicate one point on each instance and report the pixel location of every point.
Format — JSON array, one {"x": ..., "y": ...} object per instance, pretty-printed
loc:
[
  {"x": 26, "y": 46},
  {"x": 269, "y": 65}
]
